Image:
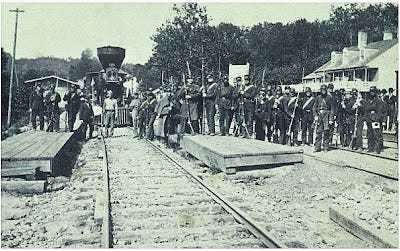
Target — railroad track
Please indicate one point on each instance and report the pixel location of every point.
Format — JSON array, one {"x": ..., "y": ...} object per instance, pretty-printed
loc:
[
  {"x": 365, "y": 153},
  {"x": 154, "y": 202}
]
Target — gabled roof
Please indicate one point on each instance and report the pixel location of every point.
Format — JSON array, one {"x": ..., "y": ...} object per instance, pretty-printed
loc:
[
  {"x": 50, "y": 77},
  {"x": 380, "y": 46}
]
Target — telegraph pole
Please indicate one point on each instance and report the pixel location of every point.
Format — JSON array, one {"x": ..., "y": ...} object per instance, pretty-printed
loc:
[{"x": 17, "y": 11}]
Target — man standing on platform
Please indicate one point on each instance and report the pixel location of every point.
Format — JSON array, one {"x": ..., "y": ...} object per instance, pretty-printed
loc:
[
  {"x": 151, "y": 114},
  {"x": 86, "y": 114},
  {"x": 189, "y": 95},
  {"x": 53, "y": 111},
  {"x": 36, "y": 107},
  {"x": 248, "y": 94},
  {"x": 330, "y": 92},
  {"x": 110, "y": 111},
  {"x": 323, "y": 111},
  {"x": 261, "y": 110},
  {"x": 269, "y": 118},
  {"x": 307, "y": 118},
  {"x": 135, "y": 106},
  {"x": 225, "y": 95},
  {"x": 279, "y": 114},
  {"x": 72, "y": 106},
  {"x": 236, "y": 107},
  {"x": 347, "y": 118},
  {"x": 209, "y": 94}
]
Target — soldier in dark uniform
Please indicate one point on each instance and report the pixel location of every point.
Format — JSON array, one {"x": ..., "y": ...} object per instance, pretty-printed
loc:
[
  {"x": 392, "y": 103},
  {"x": 86, "y": 114},
  {"x": 307, "y": 118},
  {"x": 279, "y": 114},
  {"x": 209, "y": 94},
  {"x": 269, "y": 118},
  {"x": 189, "y": 94},
  {"x": 72, "y": 106},
  {"x": 248, "y": 95},
  {"x": 347, "y": 113},
  {"x": 236, "y": 106},
  {"x": 323, "y": 111},
  {"x": 142, "y": 116},
  {"x": 360, "y": 113},
  {"x": 36, "y": 107},
  {"x": 225, "y": 95},
  {"x": 261, "y": 111},
  {"x": 330, "y": 91},
  {"x": 52, "y": 99},
  {"x": 293, "y": 116},
  {"x": 374, "y": 117}
]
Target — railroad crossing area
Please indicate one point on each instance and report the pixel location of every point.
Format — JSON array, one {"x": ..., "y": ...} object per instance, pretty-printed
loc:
[{"x": 125, "y": 192}]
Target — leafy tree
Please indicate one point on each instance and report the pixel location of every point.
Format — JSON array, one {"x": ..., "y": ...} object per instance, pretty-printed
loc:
[{"x": 87, "y": 63}]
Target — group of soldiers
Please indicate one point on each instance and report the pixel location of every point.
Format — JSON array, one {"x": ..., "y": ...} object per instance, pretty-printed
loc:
[{"x": 265, "y": 113}]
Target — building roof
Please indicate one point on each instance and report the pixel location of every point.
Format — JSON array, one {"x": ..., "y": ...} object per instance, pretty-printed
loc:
[
  {"x": 380, "y": 47},
  {"x": 50, "y": 77}
]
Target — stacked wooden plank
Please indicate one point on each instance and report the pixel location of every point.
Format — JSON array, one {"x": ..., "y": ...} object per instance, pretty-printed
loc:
[
  {"x": 29, "y": 152},
  {"x": 230, "y": 153}
]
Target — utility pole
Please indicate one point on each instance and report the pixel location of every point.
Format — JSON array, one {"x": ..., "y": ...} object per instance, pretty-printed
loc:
[{"x": 17, "y": 11}]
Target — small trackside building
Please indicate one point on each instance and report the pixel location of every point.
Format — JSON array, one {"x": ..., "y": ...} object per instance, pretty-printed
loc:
[{"x": 361, "y": 66}]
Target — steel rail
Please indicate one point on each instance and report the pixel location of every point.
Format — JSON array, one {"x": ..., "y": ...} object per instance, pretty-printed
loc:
[
  {"x": 106, "y": 224},
  {"x": 353, "y": 167},
  {"x": 238, "y": 214},
  {"x": 364, "y": 153}
]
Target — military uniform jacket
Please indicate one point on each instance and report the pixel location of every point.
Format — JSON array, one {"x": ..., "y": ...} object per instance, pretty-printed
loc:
[
  {"x": 262, "y": 109},
  {"x": 36, "y": 101},
  {"x": 374, "y": 110},
  {"x": 291, "y": 107},
  {"x": 225, "y": 96},
  {"x": 211, "y": 91},
  {"x": 52, "y": 100},
  {"x": 194, "y": 92},
  {"x": 324, "y": 109},
  {"x": 270, "y": 102},
  {"x": 391, "y": 101},
  {"x": 73, "y": 102},
  {"x": 162, "y": 106},
  {"x": 280, "y": 104},
  {"x": 307, "y": 104},
  {"x": 86, "y": 112},
  {"x": 249, "y": 94}
]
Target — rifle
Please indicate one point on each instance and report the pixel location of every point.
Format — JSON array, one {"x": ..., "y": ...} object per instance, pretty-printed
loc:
[
  {"x": 275, "y": 133},
  {"x": 289, "y": 133},
  {"x": 188, "y": 113},
  {"x": 203, "y": 119},
  {"x": 241, "y": 109}
]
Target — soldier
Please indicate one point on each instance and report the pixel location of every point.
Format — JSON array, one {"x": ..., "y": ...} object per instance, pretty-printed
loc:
[
  {"x": 392, "y": 103},
  {"x": 189, "y": 94},
  {"x": 142, "y": 116},
  {"x": 347, "y": 117},
  {"x": 52, "y": 99},
  {"x": 293, "y": 117},
  {"x": 374, "y": 116},
  {"x": 307, "y": 118},
  {"x": 323, "y": 111},
  {"x": 236, "y": 107},
  {"x": 248, "y": 95},
  {"x": 280, "y": 116},
  {"x": 330, "y": 91},
  {"x": 359, "y": 107},
  {"x": 36, "y": 107},
  {"x": 225, "y": 95},
  {"x": 269, "y": 118},
  {"x": 151, "y": 115},
  {"x": 86, "y": 114},
  {"x": 209, "y": 94},
  {"x": 261, "y": 110},
  {"x": 72, "y": 106},
  {"x": 110, "y": 111}
]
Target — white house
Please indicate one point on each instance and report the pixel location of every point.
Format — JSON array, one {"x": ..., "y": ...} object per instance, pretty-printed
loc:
[{"x": 361, "y": 66}]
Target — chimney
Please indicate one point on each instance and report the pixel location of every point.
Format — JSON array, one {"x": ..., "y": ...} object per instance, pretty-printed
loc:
[
  {"x": 362, "y": 39},
  {"x": 336, "y": 57},
  {"x": 387, "y": 35}
]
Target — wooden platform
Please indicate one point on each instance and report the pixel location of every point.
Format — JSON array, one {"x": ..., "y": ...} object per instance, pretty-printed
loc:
[
  {"x": 231, "y": 154},
  {"x": 32, "y": 151}
]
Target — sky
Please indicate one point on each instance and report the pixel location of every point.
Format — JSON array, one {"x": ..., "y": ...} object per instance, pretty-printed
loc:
[{"x": 66, "y": 29}]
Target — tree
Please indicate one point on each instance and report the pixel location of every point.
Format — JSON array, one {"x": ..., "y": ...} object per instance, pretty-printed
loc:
[{"x": 87, "y": 63}]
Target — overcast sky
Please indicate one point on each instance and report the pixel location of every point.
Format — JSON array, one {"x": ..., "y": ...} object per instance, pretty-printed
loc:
[{"x": 64, "y": 30}]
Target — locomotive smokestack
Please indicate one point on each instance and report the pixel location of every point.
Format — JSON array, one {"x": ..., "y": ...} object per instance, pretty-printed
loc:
[{"x": 111, "y": 56}]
